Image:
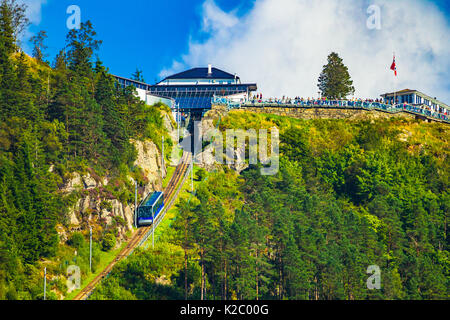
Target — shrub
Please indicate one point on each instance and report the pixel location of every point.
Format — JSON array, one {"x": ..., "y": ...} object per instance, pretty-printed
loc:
[
  {"x": 76, "y": 240},
  {"x": 109, "y": 242}
]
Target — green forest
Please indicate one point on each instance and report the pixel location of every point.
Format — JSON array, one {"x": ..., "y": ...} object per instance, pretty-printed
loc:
[
  {"x": 348, "y": 195},
  {"x": 56, "y": 118}
]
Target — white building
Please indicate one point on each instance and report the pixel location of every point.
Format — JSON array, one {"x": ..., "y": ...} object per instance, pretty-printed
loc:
[{"x": 414, "y": 97}]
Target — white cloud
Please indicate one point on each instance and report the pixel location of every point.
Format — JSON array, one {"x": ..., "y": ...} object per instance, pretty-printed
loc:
[
  {"x": 283, "y": 44},
  {"x": 34, "y": 8},
  {"x": 34, "y": 14}
]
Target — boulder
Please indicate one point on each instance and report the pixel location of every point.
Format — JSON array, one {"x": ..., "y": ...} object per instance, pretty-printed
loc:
[
  {"x": 89, "y": 182},
  {"x": 75, "y": 182}
]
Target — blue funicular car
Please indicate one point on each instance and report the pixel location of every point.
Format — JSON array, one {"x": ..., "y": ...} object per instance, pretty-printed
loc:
[{"x": 150, "y": 208}]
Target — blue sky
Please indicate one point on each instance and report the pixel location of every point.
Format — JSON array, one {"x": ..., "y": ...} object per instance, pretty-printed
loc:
[
  {"x": 143, "y": 34},
  {"x": 277, "y": 43}
]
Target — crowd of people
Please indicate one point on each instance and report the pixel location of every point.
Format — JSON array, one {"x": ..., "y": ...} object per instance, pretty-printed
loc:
[
  {"x": 298, "y": 100},
  {"x": 439, "y": 112}
]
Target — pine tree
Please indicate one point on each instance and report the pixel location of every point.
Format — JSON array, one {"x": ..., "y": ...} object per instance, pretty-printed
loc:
[
  {"x": 60, "y": 63},
  {"x": 82, "y": 45},
  {"x": 13, "y": 21},
  {"x": 23, "y": 95},
  {"x": 75, "y": 104},
  {"x": 335, "y": 81},
  {"x": 7, "y": 83},
  {"x": 204, "y": 233},
  {"x": 7, "y": 47},
  {"x": 138, "y": 75},
  {"x": 184, "y": 237},
  {"x": 114, "y": 124}
]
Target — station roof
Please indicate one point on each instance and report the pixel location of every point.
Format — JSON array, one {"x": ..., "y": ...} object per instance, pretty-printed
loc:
[{"x": 202, "y": 73}]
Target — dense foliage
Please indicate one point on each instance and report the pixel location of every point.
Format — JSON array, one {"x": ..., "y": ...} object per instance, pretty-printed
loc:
[
  {"x": 55, "y": 120},
  {"x": 348, "y": 195}
]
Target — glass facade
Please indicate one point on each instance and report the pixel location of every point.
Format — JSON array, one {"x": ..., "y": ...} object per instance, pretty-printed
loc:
[
  {"x": 417, "y": 98},
  {"x": 191, "y": 97},
  {"x": 127, "y": 82},
  {"x": 200, "y": 97},
  {"x": 406, "y": 98}
]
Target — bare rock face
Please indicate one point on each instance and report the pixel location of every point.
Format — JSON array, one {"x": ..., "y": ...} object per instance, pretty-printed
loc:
[
  {"x": 73, "y": 220},
  {"x": 238, "y": 163},
  {"x": 169, "y": 125},
  {"x": 78, "y": 182},
  {"x": 124, "y": 212},
  {"x": 74, "y": 183},
  {"x": 206, "y": 159},
  {"x": 128, "y": 214},
  {"x": 89, "y": 182},
  {"x": 149, "y": 159},
  {"x": 94, "y": 205}
]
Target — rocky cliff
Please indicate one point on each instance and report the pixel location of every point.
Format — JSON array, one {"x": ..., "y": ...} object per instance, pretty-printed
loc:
[
  {"x": 95, "y": 204},
  {"x": 210, "y": 133}
]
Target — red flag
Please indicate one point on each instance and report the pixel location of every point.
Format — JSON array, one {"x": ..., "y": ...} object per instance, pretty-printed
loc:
[{"x": 394, "y": 67}]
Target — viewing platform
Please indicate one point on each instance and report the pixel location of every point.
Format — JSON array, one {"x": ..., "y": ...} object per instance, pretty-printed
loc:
[{"x": 331, "y": 108}]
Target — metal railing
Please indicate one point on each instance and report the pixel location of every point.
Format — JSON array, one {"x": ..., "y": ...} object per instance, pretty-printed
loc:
[{"x": 343, "y": 104}]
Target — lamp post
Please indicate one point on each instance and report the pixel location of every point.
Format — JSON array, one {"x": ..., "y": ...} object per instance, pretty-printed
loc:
[
  {"x": 163, "y": 165},
  {"x": 90, "y": 249},
  {"x": 135, "y": 203},
  {"x": 45, "y": 283},
  {"x": 153, "y": 228},
  {"x": 178, "y": 122}
]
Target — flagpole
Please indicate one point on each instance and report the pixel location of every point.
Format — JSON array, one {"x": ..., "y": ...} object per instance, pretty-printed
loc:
[
  {"x": 395, "y": 76},
  {"x": 393, "y": 104}
]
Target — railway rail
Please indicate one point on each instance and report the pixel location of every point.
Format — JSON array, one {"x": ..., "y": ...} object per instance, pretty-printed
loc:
[{"x": 142, "y": 234}]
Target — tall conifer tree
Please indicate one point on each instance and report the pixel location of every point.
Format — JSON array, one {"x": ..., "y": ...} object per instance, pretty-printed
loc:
[{"x": 335, "y": 81}]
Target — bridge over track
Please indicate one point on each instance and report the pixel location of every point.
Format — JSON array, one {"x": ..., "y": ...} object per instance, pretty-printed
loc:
[
  {"x": 342, "y": 109},
  {"x": 172, "y": 190}
]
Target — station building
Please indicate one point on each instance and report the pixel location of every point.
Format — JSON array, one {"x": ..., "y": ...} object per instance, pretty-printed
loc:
[
  {"x": 415, "y": 97},
  {"x": 193, "y": 90}
]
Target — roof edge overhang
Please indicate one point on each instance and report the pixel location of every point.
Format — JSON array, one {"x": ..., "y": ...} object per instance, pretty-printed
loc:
[
  {"x": 204, "y": 85},
  {"x": 208, "y": 76}
]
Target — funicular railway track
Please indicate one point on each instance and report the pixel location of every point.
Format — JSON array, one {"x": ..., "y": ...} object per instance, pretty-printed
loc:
[{"x": 140, "y": 236}]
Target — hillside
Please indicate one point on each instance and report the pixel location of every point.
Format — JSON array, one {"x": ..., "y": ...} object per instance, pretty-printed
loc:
[
  {"x": 72, "y": 146},
  {"x": 348, "y": 195}
]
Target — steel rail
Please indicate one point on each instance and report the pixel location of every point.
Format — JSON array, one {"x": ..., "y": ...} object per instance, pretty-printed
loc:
[{"x": 142, "y": 234}]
